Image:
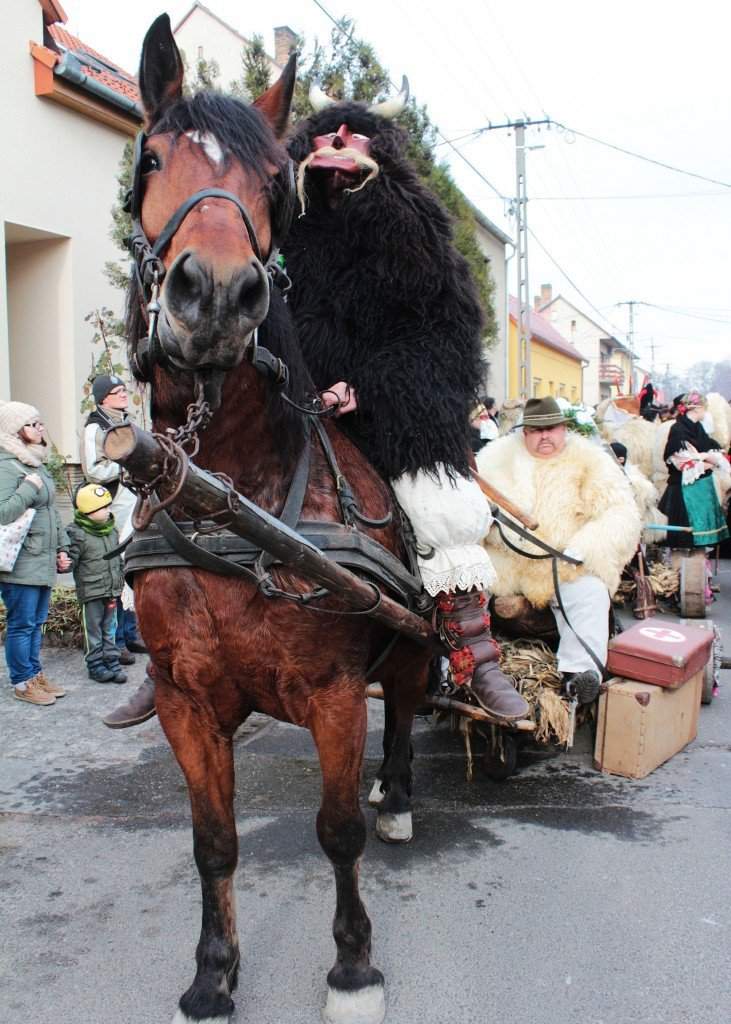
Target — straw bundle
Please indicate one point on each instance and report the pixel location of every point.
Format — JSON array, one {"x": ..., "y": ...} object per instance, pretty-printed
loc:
[{"x": 531, "y": 666}]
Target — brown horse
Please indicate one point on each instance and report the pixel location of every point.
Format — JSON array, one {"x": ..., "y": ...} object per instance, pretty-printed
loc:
[{"x": 218, "y": 648}]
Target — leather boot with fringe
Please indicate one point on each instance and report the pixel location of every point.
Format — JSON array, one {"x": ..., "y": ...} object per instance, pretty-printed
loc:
[{"x": 464, "y": 625}]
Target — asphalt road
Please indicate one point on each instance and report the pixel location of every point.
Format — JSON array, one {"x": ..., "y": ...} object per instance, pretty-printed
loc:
[{"x": 559, "y": 897}]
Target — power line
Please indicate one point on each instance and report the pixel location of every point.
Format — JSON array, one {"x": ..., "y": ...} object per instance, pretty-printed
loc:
[
  {"x": 641, "y": 156},
  {"x": 573, "y": 284},
  {"x": 682, "y": 312},
  {"x": 644, "y": 195},
  {"x": 446, "y": 142}
]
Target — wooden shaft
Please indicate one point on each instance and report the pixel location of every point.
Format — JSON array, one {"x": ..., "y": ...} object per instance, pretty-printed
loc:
[
  {"x": 467, "y": 710},
  {"x": 490, "y": 492},
  {"x": 205, "y": 495}
]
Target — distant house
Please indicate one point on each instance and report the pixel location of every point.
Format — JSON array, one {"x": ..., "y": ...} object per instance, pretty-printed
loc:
[
  {"x": 556, "y": 364},
  {"x": 67, "y": 112},
  {"x": 609, "y": 370},
  {"x": 202, "y": 35}
]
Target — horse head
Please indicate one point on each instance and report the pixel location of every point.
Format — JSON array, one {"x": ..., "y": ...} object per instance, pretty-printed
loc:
[{"x": 211, "y": 200}]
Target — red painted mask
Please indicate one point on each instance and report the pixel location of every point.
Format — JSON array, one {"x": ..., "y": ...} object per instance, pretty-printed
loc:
[{"x": 343, "y": 138}]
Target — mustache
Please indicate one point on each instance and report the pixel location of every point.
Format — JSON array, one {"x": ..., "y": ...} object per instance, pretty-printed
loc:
[{"x": 366, "y": 162}]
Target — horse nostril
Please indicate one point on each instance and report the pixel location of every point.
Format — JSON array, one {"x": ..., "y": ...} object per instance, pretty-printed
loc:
[
  {"x": 187, "y": 287},
  {"x": 249, "y": 288}
]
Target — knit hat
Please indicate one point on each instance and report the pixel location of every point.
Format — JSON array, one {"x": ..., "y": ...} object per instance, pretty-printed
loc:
[
  {"x": 103, "y": 384},
  {"x": 619, "y": 449},
  {"x": 92, "y": 497},
  {"x": 542, "y": 412},
  {"x": 15, "y": 415}
]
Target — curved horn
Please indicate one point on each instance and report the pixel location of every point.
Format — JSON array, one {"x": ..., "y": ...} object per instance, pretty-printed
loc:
[
  {"x": 319, "y": 99},
  {"x": 393, "y": 107}
]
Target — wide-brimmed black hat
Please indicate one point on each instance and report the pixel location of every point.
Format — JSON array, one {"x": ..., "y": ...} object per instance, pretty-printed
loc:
[{"x": 542, "y": 412}]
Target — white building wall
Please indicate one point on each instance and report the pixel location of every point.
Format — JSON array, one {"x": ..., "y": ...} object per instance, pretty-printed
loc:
[
  {"x": 202, "y": 35},
  {"x": 584, "y": 334},
  {"x": 494, "y": 250},
  {"x": 57, "y": 177}
]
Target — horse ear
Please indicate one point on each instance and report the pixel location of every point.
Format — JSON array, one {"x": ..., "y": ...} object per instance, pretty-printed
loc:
[
  {"x": 161, "y": 70},
  {"x": 274, "y": 104}
]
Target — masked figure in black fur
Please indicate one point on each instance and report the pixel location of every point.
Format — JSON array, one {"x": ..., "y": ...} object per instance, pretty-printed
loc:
[{"x": 390, "y": 325}]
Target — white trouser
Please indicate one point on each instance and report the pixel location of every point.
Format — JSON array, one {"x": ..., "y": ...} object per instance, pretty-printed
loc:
[
  {"x": 586, "y": 601},
  {"x": 449, "y": 517}
]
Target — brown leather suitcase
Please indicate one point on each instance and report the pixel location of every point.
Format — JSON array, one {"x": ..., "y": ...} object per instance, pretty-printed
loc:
[
  {"x": 663, "y": 653},
  {"x": 641, "y": 726}
]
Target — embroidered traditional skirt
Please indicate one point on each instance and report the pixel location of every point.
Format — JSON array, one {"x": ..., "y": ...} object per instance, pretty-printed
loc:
[
  {"x": 704, "y": 512},
  {"x": 450, "y": 519}
]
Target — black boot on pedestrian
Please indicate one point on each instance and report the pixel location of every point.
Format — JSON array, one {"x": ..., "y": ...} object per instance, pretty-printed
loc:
[
  {"x": 101, "y": 674},
  {"x": 584, "y": 686},
  {"x": 136, "y": 710},
  {"x": 136, "y": 646},
  {"x": 119, "y": 676},
  {"x": 464, "y": 625}
]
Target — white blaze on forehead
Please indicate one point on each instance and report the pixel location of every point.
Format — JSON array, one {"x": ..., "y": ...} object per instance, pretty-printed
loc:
[{"x": 209, "y": 144}]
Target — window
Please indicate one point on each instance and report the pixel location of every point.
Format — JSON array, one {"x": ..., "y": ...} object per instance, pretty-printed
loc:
[
  {"x": 536, "y": 387},
  {"x": 562, "y": 390},
  {"x": 200, "y": 53}
]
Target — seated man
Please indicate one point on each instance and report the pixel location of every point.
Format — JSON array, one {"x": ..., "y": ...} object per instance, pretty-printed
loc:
[{"x": 585, "y": 508}]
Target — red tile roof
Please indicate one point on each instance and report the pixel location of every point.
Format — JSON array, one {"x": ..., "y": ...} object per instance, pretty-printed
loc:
[
  {"x": 115, "y": 78},
  {"x": 544, "y": 331}
]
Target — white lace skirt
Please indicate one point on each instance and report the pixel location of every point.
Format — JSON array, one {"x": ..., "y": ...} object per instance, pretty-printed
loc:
[{"x": 451, "y": 518}]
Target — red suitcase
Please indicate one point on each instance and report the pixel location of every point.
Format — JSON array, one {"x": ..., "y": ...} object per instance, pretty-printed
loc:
[{"x": 663, "y": 653}]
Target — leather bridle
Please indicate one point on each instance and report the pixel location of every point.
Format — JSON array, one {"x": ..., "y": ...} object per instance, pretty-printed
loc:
[{"x": 149, "y": 268}]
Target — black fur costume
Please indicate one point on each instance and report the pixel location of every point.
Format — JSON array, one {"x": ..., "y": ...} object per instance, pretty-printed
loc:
[{"x": 383, "y": 300}]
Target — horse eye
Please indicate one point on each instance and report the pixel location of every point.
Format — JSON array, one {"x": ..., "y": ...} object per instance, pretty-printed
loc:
[{"x": 149, "y": 162}]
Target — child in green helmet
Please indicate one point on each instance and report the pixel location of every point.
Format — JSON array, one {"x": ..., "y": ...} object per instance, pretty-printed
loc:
[{"x": 99, "y": 580}]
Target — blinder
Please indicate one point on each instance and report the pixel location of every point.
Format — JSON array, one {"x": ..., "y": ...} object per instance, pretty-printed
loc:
[{"x": 149, "y": 268}]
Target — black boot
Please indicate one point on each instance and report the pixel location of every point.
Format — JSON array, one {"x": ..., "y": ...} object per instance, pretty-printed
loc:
[
  {"x": 465, "y": 628},
  {"x": 138, "y": 708}
]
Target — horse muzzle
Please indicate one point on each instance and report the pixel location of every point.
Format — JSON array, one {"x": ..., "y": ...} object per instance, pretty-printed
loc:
[{"x": 208, "y": 314}]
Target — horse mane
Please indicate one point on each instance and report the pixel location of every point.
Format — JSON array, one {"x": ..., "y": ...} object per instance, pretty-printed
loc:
[{"x": 243, "y": 135}]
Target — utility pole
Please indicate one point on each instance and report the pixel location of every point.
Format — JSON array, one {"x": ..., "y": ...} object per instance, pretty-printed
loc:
[
  {"x": 520, "y": 209},
  {"x": 525, "y": 379},
  {"x": 631, "y": 339}
]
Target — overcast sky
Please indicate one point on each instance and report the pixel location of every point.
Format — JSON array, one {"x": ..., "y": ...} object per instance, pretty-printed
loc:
[{"x": 650, "y": 76}]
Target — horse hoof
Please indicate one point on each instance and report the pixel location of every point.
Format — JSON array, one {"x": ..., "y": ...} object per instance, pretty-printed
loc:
[
  {"x": 395, "y": 828},
  {"x": 183, "y": 1018},
  {"x": 376, "y": 795},
  {"x": 364, "y": 1006}
]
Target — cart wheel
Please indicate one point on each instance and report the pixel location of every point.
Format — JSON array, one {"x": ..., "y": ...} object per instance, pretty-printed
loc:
[
  {"x": 500, "y": 768},
  {"x": 708, "y": 682},
  {"x": 693, "y": 588}
]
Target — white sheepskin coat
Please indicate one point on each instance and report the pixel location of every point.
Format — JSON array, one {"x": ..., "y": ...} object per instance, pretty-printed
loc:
[
  {"x": 582, "y": 501},
  {"x": 647, "y": 499}
]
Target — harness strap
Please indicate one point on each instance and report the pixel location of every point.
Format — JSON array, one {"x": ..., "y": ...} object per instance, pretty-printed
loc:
[
  {"x": 290, "y": 514},
  {"x": 550, "y": 552},
  {"x": 346, "y": 498},
  {"x": 199, "y": 557}
]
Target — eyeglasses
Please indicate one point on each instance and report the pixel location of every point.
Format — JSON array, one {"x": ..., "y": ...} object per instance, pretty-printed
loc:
[
  {"x": 116, "y": 392},
  {"x": 35, "y": 425}
]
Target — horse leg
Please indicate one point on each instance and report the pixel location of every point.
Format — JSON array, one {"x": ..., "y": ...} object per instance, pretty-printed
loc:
[
  {"x": 403, "y": 687},
  {"x": 378, "y": 789},
  {"x": 206, "y": 759},
  {"x": 338, "y": 727}
]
